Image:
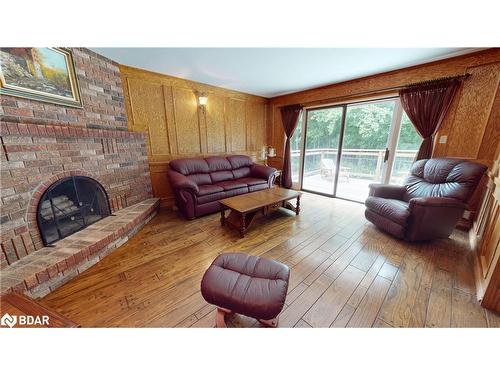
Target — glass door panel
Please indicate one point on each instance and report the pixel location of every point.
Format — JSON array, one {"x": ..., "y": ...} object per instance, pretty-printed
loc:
[
  {"x": 321, "y": 146},
  {"x": 407, "y": 147},
  {"x": 364, "y": 149}
]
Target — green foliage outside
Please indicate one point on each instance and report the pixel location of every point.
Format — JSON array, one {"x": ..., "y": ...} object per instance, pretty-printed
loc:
[{"x": 367, "y": 127}]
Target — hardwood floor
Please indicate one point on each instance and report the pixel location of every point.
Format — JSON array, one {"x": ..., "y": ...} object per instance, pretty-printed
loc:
[{"x": 344, "y": 273}]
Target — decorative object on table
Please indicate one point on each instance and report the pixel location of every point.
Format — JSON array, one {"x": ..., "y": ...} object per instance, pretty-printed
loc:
[
  {"x": 45, "y": 74},
  {"x": 248, "y": 285},
  {"x": 245, "y": 207},
  {"x": 267, "y": 152},
  {"x": 430, "y": 203}
]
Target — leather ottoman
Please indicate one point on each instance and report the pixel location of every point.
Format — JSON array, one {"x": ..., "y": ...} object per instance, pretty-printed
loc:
[{"x": 247, "y": 285}]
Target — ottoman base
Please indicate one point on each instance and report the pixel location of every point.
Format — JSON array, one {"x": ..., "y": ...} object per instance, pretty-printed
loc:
[{"x": 220, "y": 319}]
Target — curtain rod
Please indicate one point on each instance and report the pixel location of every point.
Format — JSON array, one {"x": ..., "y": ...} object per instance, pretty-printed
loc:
[{"x": 393, "y": 88}]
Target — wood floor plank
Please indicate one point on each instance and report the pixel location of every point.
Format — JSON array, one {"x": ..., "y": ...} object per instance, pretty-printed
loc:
[
  {"x": 466, "y": 311},
  {"x": 328, "y": 306},
  {"x": 388, "y": 271},
  {"x": 463, "y": 277},
  {"x": 366, "y": 313},
  {"x": 295, "y": 293},
  {"x": 400, "y": 299},
  {"x": 302, "y": 324},
  {"x": 493, "y": 319},
  {"x": 318, "y": 271},
  {"x": 180, "y": 312},
  {"x": 343, "y": 318},
  {"x": 208, "y": 321},
  {"x": 306, "y": 266},
  {"x": 439, "y": 308},
  {"x": 379, "y": 323},
  {"x": 363, "y": 286},
  {"x": 419, "y": 310},
  {"x": 292, "y": 314}
]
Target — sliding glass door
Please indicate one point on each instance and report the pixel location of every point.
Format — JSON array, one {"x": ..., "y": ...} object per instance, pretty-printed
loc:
[
  {"x": 321, "y": 149},
  {"x": 347, "y": 147},
  {"x": 365, "y": 150}
]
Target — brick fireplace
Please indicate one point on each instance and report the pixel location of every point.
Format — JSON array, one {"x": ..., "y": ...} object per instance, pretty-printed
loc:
[{"x": 44, "y": 143}]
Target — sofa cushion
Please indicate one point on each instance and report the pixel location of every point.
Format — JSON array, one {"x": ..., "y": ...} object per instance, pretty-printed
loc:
[
  {"x": 200, "y": 178},
  {"x": 258, "y": 187},
  {"x": 392, "y": 209},
  {"x": 218, "y": 163},
  {"x": 242, "y": 172},
  {"x": 250, "y": 181},
  {"x": 221, "y": 176},
  {"x": 189, "y": 166},
  {"x": 211, "y": 197},
  {"x": 239, "y": 161},
  {"x": 232, "y": 193},
  {"x": 209, "y": 189},
  {"x": 231, "y": 185}
]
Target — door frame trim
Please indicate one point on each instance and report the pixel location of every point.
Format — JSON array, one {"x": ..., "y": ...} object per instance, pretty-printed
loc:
[{"x": 392, "y": 141}]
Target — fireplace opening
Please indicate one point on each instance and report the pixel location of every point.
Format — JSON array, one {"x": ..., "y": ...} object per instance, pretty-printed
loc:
[{"x": 69, "y": 205}]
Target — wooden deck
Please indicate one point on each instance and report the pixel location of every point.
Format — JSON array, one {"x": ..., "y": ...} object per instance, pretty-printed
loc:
[{"x": 344, "y": 273}]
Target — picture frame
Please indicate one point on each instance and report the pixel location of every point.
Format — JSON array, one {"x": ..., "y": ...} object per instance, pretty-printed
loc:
[{"x": 45, "y": 74}]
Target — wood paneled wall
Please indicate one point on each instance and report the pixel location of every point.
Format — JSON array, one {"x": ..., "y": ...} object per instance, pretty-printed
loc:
[
  {"x": 166, "y": 108},
  {"x": 472, "y": 124}
]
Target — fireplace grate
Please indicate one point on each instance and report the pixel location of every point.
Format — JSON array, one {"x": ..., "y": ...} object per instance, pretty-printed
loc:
[{"x": 69, "y": 205}]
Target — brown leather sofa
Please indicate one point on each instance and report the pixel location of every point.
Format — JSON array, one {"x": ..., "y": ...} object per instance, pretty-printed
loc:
[
  {"x": 429, "y": 204},
  {"x": 199, "y": 183}
]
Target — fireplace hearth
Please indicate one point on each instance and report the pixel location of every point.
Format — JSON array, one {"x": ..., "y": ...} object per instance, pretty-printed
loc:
[{"x": 70, "y": 205}]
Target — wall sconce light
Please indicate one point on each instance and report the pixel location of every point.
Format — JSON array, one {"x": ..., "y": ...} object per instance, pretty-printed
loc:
[{"x": 202, "y": 100}]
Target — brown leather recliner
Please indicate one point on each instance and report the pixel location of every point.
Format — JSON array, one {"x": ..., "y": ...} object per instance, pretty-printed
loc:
[{"x": 429, "y": 204}]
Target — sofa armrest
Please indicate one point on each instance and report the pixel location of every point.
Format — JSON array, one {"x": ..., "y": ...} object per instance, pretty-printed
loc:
[
  {"x": 387, "y": 191},
  {"x": 181, "y": 182},
  {"x": 264, "y": 172},
  {"x": 437, "y": 202}
]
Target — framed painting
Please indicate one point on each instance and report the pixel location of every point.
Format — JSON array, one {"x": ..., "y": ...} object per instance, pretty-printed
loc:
[{"x": 45, "y": 74}]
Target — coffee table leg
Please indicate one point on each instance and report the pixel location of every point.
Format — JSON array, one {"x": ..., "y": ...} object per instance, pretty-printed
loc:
[
  {"x": 222, "y": 217},
  {"x": 242, "y": 226},
  {"x": 297, "y": 207}
]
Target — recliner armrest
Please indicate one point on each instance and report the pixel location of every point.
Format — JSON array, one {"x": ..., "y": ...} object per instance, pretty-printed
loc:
[
  {"x": 437, "y": 202},
  {"x": 387, "y": 191},
  {"x": 181, "y": 182},
  {"x": 263, "y": 171}
]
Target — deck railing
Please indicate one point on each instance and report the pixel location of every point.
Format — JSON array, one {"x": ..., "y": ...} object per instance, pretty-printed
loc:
[{"x": 361, "y": 163}]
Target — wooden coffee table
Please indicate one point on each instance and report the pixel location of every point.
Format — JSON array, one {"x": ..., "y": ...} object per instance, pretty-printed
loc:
[{"x": 245, "y": 207}]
